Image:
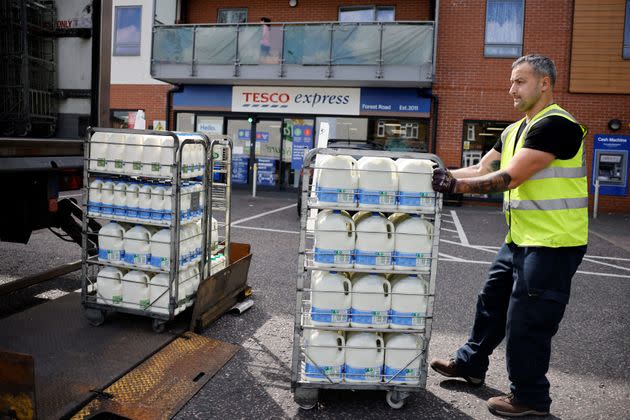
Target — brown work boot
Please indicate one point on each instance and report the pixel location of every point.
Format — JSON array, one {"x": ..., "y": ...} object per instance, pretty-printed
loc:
[
  {"x": 448, "y": 368},
  {"x": 506, "y": 405}
]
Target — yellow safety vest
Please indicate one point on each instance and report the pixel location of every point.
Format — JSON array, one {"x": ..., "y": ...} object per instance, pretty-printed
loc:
[{"x": 550, "y": 209}]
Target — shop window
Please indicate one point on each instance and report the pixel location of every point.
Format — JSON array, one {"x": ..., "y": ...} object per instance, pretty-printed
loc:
[
  {"x": 479, "y": 137},
  {"x": 626, "y": 33},
  {"x": 209, "y": 124},
  {"x": 127, "y": 32},
  {"x": 232, "y": 16},
  {"x": 380, "y": 131},
  {"x": 504, "y": 28},
  {"x": 400, "y": 135},
  {"x": 367, "y": 14},
  {"x": 185, "y": 122},
  {"x": 122, "y": 118},
  {"x": 470, "y": 136}
]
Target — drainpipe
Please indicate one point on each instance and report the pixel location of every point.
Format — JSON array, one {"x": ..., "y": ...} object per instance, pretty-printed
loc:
[
  {"x": 434, "y": 99},
  {"x": 169, "y": 104},
  {"x": 434, "y": 118}
]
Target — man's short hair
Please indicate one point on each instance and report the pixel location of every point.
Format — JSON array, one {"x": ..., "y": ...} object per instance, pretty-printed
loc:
[{"x": 543, "y": 66}]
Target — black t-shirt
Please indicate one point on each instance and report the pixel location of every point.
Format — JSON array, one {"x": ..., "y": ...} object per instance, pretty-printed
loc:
[{"x": 553, "y": 134}]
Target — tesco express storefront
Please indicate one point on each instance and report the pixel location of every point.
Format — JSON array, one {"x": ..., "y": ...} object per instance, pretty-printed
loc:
[{"x": 274, "y": 125}]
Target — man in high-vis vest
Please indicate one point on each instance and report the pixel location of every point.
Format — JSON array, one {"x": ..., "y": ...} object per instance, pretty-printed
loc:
[{"x": 542, "y": 174}]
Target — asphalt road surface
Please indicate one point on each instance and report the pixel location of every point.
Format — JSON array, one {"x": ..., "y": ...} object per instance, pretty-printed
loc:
[{"x": 590, "y": 363}]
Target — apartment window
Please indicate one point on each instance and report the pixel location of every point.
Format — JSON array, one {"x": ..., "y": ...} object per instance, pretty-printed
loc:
[
  {"x": 232, "y": 16},
  {"x": 367, "y": 14},
  {"x": 504, "y": 28},
  {"x": 127, "y": 30},
  {"x": 626, "y": 32}
]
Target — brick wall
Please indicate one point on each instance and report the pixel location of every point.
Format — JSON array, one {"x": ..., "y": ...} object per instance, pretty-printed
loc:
[
  {"x": 150, "y": 98},
  {"x": 205, "y": 11},
  {"x": 470, "y": 86}
]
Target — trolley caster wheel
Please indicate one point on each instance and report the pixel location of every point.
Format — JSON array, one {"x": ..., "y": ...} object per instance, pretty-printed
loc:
[
  {"x": 159, "y": 325},
  {"x": 306, "y": 398},
  {"x": 395, "y": 399},
  {"x": 95, "y": 317}
]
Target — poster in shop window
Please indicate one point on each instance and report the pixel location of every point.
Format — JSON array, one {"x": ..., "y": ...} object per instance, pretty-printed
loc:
[{"x": 302, "y": 142}]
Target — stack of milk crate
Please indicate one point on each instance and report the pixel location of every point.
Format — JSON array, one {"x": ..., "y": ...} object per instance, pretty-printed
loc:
[
  {"x": 135, "y": 180},
  {"x": 366, "y": 315}
]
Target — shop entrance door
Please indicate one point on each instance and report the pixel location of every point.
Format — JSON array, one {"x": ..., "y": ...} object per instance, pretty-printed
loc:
[
  {"x": 240, "y": 132},
  {"x": 256, "y": 142},
  {"x": 267, "y": 152}
]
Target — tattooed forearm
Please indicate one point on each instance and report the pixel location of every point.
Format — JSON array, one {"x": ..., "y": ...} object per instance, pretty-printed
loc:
[
  {"x": 491, "y": 183},
  {"x": 494, "y": 165}
]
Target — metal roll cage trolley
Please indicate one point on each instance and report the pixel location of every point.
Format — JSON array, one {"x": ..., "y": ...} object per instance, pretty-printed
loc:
[
  {"x": 305, "y": 391},
  {"x": 95, "y": 304}
]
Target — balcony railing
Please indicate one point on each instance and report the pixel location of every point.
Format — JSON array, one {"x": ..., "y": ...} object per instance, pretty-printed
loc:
[{"x": 379, "y": 51}]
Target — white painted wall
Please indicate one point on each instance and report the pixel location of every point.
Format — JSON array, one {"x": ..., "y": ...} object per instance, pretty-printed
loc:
[{"x": 134, "y": 70}]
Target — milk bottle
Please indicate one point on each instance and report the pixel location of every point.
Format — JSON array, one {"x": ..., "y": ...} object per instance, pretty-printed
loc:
[
  {"x": 402, "y": 358},
  {"x": 334, "y": 239},
  {"x": 196, "y": 241},
  {"x": 151, "y": 155},
  {"x": 137, "y": 243},
  {"x": 214, "y": 234},
  {"x": 183, "y": 290},
  {"x": 99, "y": 143},
  {"x": 371, "y": 301},
  {"x": 111, "y": 242},
  {"x": 187, "y": 160},
  {"x": 135, "y": 290},
  {"x": 330, "y": 298},
  {"x": 375, "y": 241},
  {"x": 409, "y": 301},
  {"x": 184, "y": 246},
  {"x": 337, "y": 180},
  {"x": 94, "y": 197},
  {"x": 161, "y": 249},
  {"x": 158, "y": 293},
  {"x": 116, "y": 152},
  {"x": 107, "y": 198},
  {"x": 378, "y": 183},
  {"x": 364, "y": 357},
  {"x": 414, "y": 242},
  {"x": 167, "y": 154},
  {"x": 202, "y": 159},
  {"x": 196, "y": 199},
  {"x": 196, "y": 279},
  {"x": 157, "y": 202},
  {"x": 167, "y": 211},
  {"x": 144, "y": 202},
  {"x": 120, "y": 200},
  {"x": 133, "y": 201},
  {"x": 414, "y": 185},
  {"x": 184, "y": 203},
  {"x": 109, "y": 286},
  {"x": 133, "y": 153},
  {"x": 191, "y": 285},
  {"x": 324, "y": 356}
]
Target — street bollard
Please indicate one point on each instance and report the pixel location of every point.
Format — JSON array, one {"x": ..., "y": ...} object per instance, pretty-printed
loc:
[
  {"x": 596, "y": 199},
  {"x": 255, "y": 180}
]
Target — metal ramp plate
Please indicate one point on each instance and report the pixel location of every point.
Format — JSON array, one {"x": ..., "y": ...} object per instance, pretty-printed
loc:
[
  {"x": 73, "y": 358},
  {"x": 17, "y": 386},
  {"x": 162, "y": 384}
]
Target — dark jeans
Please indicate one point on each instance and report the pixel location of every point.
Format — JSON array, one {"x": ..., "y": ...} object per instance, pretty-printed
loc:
[{"x": 523, "y": 300}]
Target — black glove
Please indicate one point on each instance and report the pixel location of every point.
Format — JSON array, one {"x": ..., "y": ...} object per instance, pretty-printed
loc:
[{"x": 443, "y": 181}]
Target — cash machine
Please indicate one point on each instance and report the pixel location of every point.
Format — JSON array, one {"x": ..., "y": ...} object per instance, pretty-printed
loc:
[{"x": 610, "y": 164}]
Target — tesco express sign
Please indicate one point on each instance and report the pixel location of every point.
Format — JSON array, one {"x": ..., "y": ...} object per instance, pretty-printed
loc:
[{"x": 296, "y": 100}]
